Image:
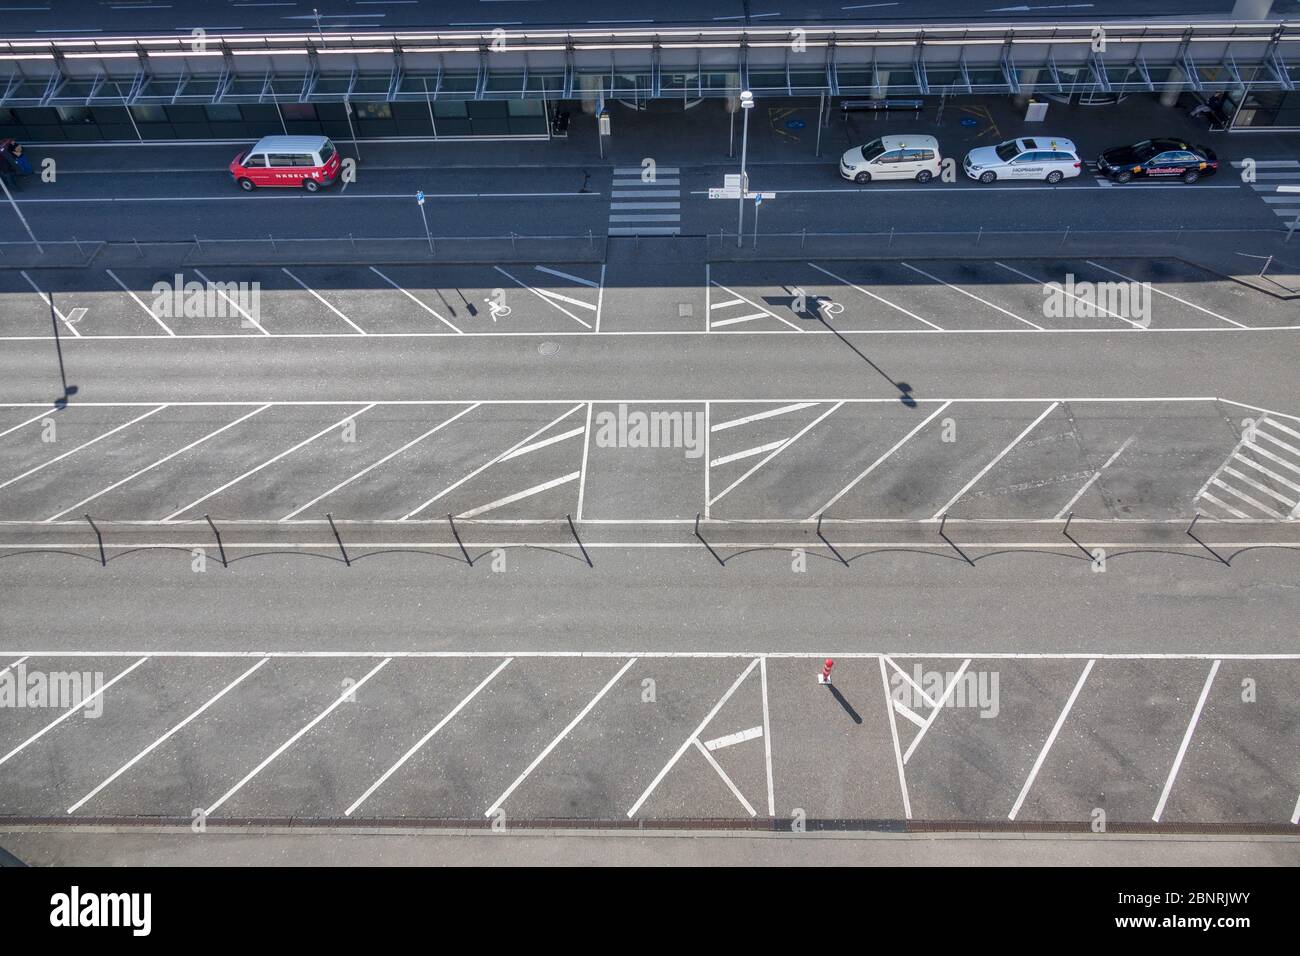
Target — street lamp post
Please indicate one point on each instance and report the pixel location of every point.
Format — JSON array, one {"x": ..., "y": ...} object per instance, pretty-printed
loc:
[{"x": 746, "y": 104}]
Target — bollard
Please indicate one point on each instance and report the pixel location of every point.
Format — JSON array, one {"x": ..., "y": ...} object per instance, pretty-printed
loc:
[
  {"x": 198, "y": 244},
  {"x": 979, "y": 236},
  {"x": 1065, "y": 235},
  {"x": 803, "y": 237},
  {"x": 825, "y": 676},
  {"x": 137, "y": 247},
  {"x": 891, "y": 237},
  {"x": 513, "y": 248},
  {"x": 273, "y": 246}
]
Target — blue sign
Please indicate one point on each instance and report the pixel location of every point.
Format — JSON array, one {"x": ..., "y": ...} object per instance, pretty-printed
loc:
[
  {"x": 758, "y": 199},
  {"x": 969, "y": 121},
  {"x": 795, "y": 124},
  {"x": 419, "y": 197}
]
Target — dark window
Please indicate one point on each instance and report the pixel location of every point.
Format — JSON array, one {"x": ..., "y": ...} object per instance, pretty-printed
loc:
[
  {"x": 893, "y": 156},
  {"x": 258, "y": 161},
  {"x": 326, "y": 152},
  {"x": 304, "y": 159},
  {"x": 298, "y": 111},
  {"x": 872, "y": 150},
  {"x": 915, "y": 155},
  {"x": 223, "y": 113},
  {"x": 73, "y": 114},
  {"x": 372, "y": 111},
  {"x": 1007, "y": 152},
  {"x": 282, "y": 159},
  {"x": 149, "y": 114}
]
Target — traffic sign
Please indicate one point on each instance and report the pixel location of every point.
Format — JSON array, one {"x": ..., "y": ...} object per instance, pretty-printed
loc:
[
  {"x": 419, "y": 197},
  {"x": 732, "y": 180},
  {"x": 715, "y": 193},
  {"x": 759, "y": 197}
]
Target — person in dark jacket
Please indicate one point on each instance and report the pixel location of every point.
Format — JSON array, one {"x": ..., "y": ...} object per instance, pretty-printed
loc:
[{"x": 9, "y": 168}]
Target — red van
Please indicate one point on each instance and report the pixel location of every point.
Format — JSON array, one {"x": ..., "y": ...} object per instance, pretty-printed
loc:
[{"x": 306, "y": 161}]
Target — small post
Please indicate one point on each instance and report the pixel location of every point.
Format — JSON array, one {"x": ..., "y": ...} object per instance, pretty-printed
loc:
[
  {"x": 273, "y": 246},
  {"x": 574, "y": 532},
  {"x": 591, "y": 240},
  {"x": 1267, "y": 262},
  {"x": 513, "y": 249},
  {"x": 828, "y": 544},
  {"x": 103, "y": 560},
  {"x": 979, "y": 236},
  {"x": 137, "y": 247},
  {"x": 705, "y": 543},
  {"x": 825, "y": 676},
  {"x": 1065, "y": 235},
  {"x": 891, "y": 237},
  {"x": 198, "y": 244},
  {"x": 803, "y": 237},
  {"x": 343, "y": 550},
  {"x": 456, "y": 534},
  {"x": 943, "y": 520},
  {"x": 220, "y": 547},
  {"x": 1216, "y": 554}
]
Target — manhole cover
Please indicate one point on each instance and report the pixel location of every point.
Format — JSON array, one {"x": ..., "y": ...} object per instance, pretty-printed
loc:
[{"x": 548, "y": 348}]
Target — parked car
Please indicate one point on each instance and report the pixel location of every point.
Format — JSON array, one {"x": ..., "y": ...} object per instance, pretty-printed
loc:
[
  {"x": 893, "y": 157},
  {"x": 309, "y": 162},
  {"x": 1045, "y": 158},
  {"x": 1158, "y": 158}
]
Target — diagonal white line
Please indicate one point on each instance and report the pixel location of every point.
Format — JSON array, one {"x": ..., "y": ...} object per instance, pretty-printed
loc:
[
  {"x": 1276, "y": 441},
  {"x": 1266, "y": 471},
  {"x": 747, "y": 453},
  {"x": 426, "y": 738},
  {"x": 893, "y": 733},
  {"x": 160, "y": 461},
  {"x": 755, "y": 305},
  {"x": 1097, "y": 474},
  {"x": 1206, "y": 496},
  {"x": 417, "y": 301},
  {"x": 722, "y": 323},
  {"x": 519, "y": 444},
  {"x": 938, "y": 707},
  {"x": 348, "y": 692},
  {"x": 767, "y": 738},
  {"x": 520, "y": 495},
  {"x": 391, "y": 455},
  {"x": 71, "y": 328},
  {"x": 759, "y": 416},
  {"x": 987, "y": 468},
  {"x": 972, "y": 295},
  {"x": 1295, "y": 814},
  {"x": 270, "y": 461},
  {"x": 562, "y": 734},
  {"x": 892, "y": 305},
  {"x": 564, "y": 275},
  {"x": 542, "y": 443},
  {"x": 1237, "y": 493},
  {"x": 881, "y": 460},
  {"x": 69, "y": 712},
  {"x": 5, "y": 669},
  {"x": 564, "y": 298},
  {"x": 691, "y": 739},
  {"x": 908, "y": 677},
  {"x": 34, "y": 418},
  {"x": 799, "y": 434},
  {"x": 740, "y": 737},
  {"x": 1274, "y": 423},
  {"x": 1259, "y": 450},
  {"x": 322, "y": 300},
  {"x": 1187, "y": 739},
  {"x": 1115, "y": 315},
  {"x": 167, "y": 736},
  {"x": 136, "y": 298},
  {"x": 553, "y": 305},
  {"x": 1051, "y": 739},
  {"x": 237, "y": 307},
  {"x": 725, "y": 779},
  {"x": 1167, "y": 295},
  {"x": 57, "y": 458},
  {"x": 910, "y": 714}
]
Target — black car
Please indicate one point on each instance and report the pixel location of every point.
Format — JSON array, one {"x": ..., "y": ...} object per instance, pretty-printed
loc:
[{"x": 1158, "y": 158}]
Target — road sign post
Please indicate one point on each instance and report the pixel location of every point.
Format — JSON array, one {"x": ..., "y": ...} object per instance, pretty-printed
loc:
[
  {"x": 419, "y": 199},
  {"x": 746, "y": 104}
]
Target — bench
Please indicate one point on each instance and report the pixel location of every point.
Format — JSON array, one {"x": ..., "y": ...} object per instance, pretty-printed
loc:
[{"x": 878, "y": 106}]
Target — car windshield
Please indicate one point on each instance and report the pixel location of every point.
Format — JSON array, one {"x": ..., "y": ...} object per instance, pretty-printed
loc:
[
  {"x": 1145, "y": 149},
  {"x": 872, "y": 150},
  {"x": 1008, "y": 151}
]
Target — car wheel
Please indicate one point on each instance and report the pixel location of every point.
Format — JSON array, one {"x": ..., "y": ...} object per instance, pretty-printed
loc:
[
  {"x": 1191, "y": 175},
  {"x": 310, "y": 185},
  {"x": 1124, "y": 177},
  {"x": 1054, "y": 177},
  {"x": 924, "y": 176},
  {"x": 863, "y": 177},
  {"x": 988, "y": 177},
  {"x": 247, "y": 185}
]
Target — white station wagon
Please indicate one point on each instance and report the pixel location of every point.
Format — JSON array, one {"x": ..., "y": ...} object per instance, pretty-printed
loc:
[
  {"x": 893, "y": 157},
  {"x": 1043, "y": 158}
]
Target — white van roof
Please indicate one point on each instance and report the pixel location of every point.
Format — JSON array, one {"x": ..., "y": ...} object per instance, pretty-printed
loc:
[
  {"x": 289, "y": 144},
  {"x": 909, "y": 142}
]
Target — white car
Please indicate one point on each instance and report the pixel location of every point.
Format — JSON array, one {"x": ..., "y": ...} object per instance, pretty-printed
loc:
[
  {"x": 1038, "y": 157},
  {"x": 893, "y": 157}
]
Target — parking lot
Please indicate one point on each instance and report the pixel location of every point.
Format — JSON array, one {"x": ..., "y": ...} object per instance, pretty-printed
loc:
[
  {"x": 1069, "y": 739},
  {"x": 1071, "y": 295},
  {"x": 650, "y": 461}
]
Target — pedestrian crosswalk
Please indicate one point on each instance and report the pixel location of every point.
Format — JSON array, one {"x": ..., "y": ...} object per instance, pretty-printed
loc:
[
  {"x": 645, "y": 202},
  {"x": 1260, "y": 479},
  {"x": 1269, "y": 174}
]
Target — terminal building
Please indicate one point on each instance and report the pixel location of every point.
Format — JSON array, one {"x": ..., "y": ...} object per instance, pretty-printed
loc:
[{"x": 456, "y": 85}]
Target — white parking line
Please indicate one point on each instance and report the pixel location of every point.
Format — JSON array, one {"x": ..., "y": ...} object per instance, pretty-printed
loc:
[
  {"x": 542, "y": 443},
  {"x": 972, "y": 295},
  {"x": 1187, "y": 739},
  {"x": 879, "y": 461},
  {"x": 600, "y": 296},
  {"x": 137, "y": 300},
  {"x": 738, "y": 320},
  {"x": 1266, "y": 471},
  {"x": 1088, "y": 484},
  {"x": 521, "y": 495},
  {"x": 426, "y": 738},
  {"x": 544, "y": 298},
  {"x": 321, "y": 299},
  {"x": 71, "y": 328},
  {"x": 909, "y": 679},
  {"x": 167, "y": 736},
  {"x": 566, "y": 275},
  {"x": 5, "y": 669},
  {"x": 893, "y": 733},
  {"x": 767, "y": 738},
  {"x": 892, "y": 305},
  {"x": 1168, "y": 295},
  {"x": 694, "y": 737},
  {"x": 160, "y": 461},
  {"x": 586, "y": 447},
  {"x": 726, "y": 304},
  {"x": 730, "y": 740},
  {"x": 271, "y": 461},
  {"x": 1276, "y": 441},
  {"x": 389, "y": 457},
  {"x": 452, "y": 487},
  {"x": 87, "y": 444},
  {"x": 1226, "y": 507},
  {"x": 755, "y": 305},
  {"x": 418, "y": 302},
  {"x": 759, "y": 416},
  {"x": 35, "y": 418},
  {"x": 1002, "y": 454},
  {"x": 1295, "y": 814},
  {"x": 349, "y": 692},
  {"x": 934, "y": 713},
  {"x": 89, "y": 698},
  {"x": 784, "y": 445},
  {"x": 1090, "y": 305},
  {"x": 562, "y": 734},
  {"x": 747, "y": 453},
  {"x": 1051, "y": 739},
  {"x": 237, "y": 307},
  {"x": 725, "y": 779}
]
